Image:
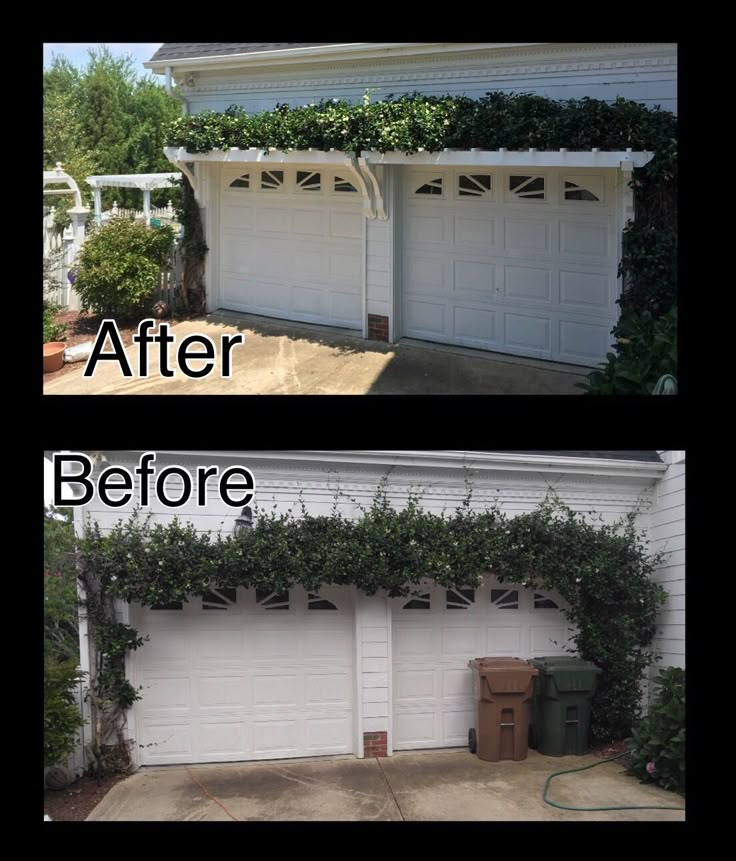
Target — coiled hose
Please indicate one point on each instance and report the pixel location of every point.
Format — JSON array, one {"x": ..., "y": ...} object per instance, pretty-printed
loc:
[{"x": 585, "y": 768}]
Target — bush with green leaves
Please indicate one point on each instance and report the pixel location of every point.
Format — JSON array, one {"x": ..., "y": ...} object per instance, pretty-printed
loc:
[
  {"x": 119, "y": 267},
  {"x": 61, "y": 715},
  {"x": 52, "y": 331},
  {"x": 647, "y": 351},
  {"x": 657, "y": 748}
]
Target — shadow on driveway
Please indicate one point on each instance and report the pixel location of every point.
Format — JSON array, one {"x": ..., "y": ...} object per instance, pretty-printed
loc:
[{"x": 288, "y": 358}]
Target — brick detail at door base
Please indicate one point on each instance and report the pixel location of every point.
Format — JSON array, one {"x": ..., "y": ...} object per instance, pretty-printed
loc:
[
  {"x": 377, "y": 327},
  {"x": 375, "y": 743}
]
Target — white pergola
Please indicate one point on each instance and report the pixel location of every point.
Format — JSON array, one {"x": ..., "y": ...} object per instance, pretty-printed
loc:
[
  {"x": 146, "y": 182},
  {"x": 59, "y": 177}
]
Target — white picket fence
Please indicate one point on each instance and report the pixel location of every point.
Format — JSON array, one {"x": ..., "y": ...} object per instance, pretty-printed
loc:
[
  {"x": 165, "y": 213},
  {"x": 61, "y": 251}
]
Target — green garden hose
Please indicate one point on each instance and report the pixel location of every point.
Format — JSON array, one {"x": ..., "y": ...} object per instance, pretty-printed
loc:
[{"x": 593, "y": 765}]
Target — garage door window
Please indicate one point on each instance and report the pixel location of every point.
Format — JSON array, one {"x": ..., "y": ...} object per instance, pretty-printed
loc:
[
  {"x": 241, "y": 182},
  {"x": 316, "y": 602},
  {"x": 504, "y": 599},
  {"x": 272, "y": 179},
  {"x": 589, "y": 189},
  {"x": 219, "y": 599},
  {"x": 272, "y": 600},
  {"x": 527, "y": 187},
  {"x": 544, "y": 602},
  {"x": 421, "y": 602},
  {"x": 308, "y": 180},
  {"x": 172, "y": 605},
  {"x": 343, "y": 185},
  {"x": 459, "y": 599},
  {"x": 474, "y": 185},
  {"x": 434, "y": 186}
]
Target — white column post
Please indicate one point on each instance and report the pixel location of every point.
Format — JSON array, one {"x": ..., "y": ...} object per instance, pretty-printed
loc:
[
  {"x": 147, "y": 206},
  {"x": 78, "y": 216},
  {"x": 98, "y": 206}
]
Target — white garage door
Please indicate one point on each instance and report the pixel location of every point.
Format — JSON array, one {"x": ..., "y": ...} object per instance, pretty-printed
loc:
[
  {"x": 511, "y": 261},
  {"x": 243, "y": 675},
  {"x": 291, "y": 245},
  {"x": 434, "y": 637}
]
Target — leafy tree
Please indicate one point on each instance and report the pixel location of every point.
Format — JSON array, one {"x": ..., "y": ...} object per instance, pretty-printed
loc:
[{"x": 61, "y": 637}]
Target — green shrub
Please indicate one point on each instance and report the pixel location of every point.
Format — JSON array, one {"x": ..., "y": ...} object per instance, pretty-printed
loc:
[
  {"x": 649, "y": 263},
  {"x": 61, "y": 715},
  {"x": 119, "y": 267},
  {"x": 52, "y": 331},
  {"x": 647, "y": 350},
  {"x": 658, "y": 744}
]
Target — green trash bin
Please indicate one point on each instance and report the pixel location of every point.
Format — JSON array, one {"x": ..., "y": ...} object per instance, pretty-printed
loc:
[{"x": 561, "y": 705}]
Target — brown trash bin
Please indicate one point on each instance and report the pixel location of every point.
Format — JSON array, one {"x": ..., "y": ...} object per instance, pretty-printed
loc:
[{"x": 503, "y": 689}]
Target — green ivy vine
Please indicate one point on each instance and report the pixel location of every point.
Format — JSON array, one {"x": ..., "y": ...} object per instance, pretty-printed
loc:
[{"x": 602, "y": 571}]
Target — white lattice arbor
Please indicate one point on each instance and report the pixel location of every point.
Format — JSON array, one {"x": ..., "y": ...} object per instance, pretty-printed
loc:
[
  {"x": 146, "y": 182},
  {"x": 59, "y": 177}
]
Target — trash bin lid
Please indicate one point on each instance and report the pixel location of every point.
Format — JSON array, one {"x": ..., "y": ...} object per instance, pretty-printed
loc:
[
  {"x": 570, "y": 673},
  {"x": 505, "y": 675}
]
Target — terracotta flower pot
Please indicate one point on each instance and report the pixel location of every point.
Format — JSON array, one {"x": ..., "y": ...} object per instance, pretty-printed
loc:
[{"x": 53, "y": 356}]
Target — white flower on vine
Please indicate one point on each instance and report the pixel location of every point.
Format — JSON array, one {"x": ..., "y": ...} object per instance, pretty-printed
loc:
[{"x": 578, "y": 579}]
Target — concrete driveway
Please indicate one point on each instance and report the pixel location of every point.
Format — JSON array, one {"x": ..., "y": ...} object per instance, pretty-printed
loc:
[
  {"x": 292, "y": 359},
  {"x": 426, "y": 786}
]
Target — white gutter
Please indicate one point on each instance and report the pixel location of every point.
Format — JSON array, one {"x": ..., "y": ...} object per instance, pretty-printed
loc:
[
  {"x": 353, "y": 50},
  {"x": 453, "y": 460}
]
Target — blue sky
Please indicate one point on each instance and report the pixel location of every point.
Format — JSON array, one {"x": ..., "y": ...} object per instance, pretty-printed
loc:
[{"x": 76, "y": 52}]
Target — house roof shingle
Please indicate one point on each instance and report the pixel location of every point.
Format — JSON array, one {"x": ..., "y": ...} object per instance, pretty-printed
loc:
[{"x": 186, "y": 50}]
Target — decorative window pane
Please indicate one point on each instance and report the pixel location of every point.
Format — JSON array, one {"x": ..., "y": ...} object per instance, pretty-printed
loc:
[
  {"x": 531, "y": 187},
  {"x": 434, "y": 186},
  {"x": 421, "y": 602},
  {"x": 314, "y": 602},
  {"x": 270, "y": 600},
  {"x": 505, "y": 599},
  {"x": 218, "y": 599},
  {"x": 542, "y": 602},
  {"x": 573, "y": 191},
  {"x": 474, "y": 184},
  {"x": 460, "y": 599},
  {"x": 343, "y": 185},
  {"x": 241, "y": 182},
  {"x": 172, "y": 605},
  {"x": 272, "y": 178},
  {"x": 308, "y": 180}
]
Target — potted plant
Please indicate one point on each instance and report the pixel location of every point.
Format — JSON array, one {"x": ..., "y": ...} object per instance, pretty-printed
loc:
[{"x": 53, "y": 348}]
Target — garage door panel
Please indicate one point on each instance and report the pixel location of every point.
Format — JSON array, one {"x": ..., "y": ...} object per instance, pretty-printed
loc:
[
  {"x": 284, "y": 689},
  {"x": 308, "y": 263},
  {"x": 457, "y": 682},
  {"x": 307, "y": 301},
  {"x": 344, "y": 307},
  {"x": 416, "y": 729},
  {"x": 425, "y": 228},
  {"x": 328, "y": 690},
  {"x": 475, "y": 230},
  {"x": 527, "y": 276},
  {"x": 412, "y": 685},
  {"x": 221, "y": 691},
  {"x": 236, "y": 215},
  {"x": 586, "y": 291},
  {"x": 474, "y": 325},
  {"x": 585, "y": 341},
  {"x": 327, "y": 735},
  {"x": 425, "y": 318},
  {"x": 345, "y": 269},
  {"x": 527, "y": 234},
  {"x": 505, "y": 641},
  {"x": 167, "y": 693},
  {"x": 474, "y": 279},
  {"x": 528, "y": 333},
  {"x": 277, "y": 738},
  {"x": 166, "y": 741},
  {"x": 455, "y": 725},
  {"x": 460, "y": 640},
  {"x": 218, "y": 738},
  {"x": 345, "y": 224},
  {"x": 528, "y": 284},
  {"x": 310, "y": 222}
]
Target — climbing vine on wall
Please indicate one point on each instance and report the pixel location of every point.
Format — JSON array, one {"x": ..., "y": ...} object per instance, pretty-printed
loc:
[
  {"x": 601, "y": 570},
  {"x": 193, "y": 249}
]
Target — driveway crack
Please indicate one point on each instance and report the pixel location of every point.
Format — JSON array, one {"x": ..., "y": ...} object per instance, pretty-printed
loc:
[{"x": 390, "y": 789}]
